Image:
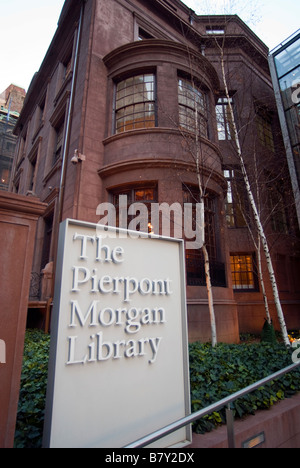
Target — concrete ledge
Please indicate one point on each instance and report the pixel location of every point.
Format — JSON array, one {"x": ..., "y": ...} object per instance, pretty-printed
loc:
[{"x": 280, "y": 424}]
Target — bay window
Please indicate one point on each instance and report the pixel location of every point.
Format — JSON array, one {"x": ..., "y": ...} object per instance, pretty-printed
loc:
[
  {"x": 135, "y": 103},
  {"x": 193, "y": 112}
]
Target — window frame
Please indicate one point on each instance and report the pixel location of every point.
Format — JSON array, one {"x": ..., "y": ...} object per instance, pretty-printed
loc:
[
  {"x": 188, "y": 110},
  {"x": 136, "y": 123},
  {"x": 233, "y": 213},
  {"x": 194, "y": 258},
  {"x": 225, "y": 123},
  {"x": 215, "y": 30},
  {"x": 58, "y": 141},
  {"x": 131, "y": 191},
  {"x": 278, "y": 206},
  {"x": 191, "y": 194},
  {"x": 264, "y": 129},
  {"x": 250, "y": 274}
]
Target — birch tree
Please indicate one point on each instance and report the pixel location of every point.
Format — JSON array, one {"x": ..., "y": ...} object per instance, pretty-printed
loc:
[
  {"x": 195, "y": 150},
  {"x": 228, "y": 6},
  {"x": 257, "y": 243},
  {"x": 204, "y": 248},
  {"x": 252, "y": 201}
]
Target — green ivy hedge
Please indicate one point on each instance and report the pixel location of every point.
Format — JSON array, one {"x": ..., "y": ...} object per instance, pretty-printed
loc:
[
  {"x": 30, "y": 418},
  {"x": 214, "y": 373}
]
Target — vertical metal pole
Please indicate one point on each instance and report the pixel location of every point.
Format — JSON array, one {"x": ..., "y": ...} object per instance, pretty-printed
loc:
[
  {"x": 230, "y": 427},
  {"x": 59, "y": 209}
]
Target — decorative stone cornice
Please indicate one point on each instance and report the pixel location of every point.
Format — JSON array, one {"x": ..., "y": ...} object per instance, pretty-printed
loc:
[
  {"x": 185, "y": 134},
  {"x": 160, "y": 49},
  {"x": 19, "y": 204},
  {"x": 161, "y": 163}
]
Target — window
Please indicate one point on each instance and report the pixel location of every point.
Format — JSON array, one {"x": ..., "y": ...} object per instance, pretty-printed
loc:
[
  {"x": 215, "y": 30},
  {"x": 192, "y": 195},
  {"x": 135, "y": 103},
  {"x": 39, "y": 117},
  {"x": 196, "y": 272},
  {"x": 264, "y": 128},
  {"x": 243, "y": 273},
  {"x": 194, "y": 258},
  {"x": 277, "y": 205},
  {"x": 288, "y": 58},
  {"x": 59, "y": 138},
  {"x": 192, "y": 107},
  {"x": 67, "y": 67},
  {"x": 146, "y": 195},
  {"x": 236, "y": 205},
  {"x": 48, "y": 229},
  {"x": 143, "y": 35},
  {"x": 224, "y": 120},
  {"x": 4, "y": 175},
  {"x": 22, "y": 147},
  {"x": 32, "y": 174},
  {"x": 289, "y": 85}
]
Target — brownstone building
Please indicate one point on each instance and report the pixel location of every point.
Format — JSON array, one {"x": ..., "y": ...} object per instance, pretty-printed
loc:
[{"x": 119, "y": 89}]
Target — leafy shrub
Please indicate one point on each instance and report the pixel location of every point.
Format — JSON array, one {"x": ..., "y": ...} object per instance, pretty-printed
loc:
[
  {"x": 215, "y": 373},
  {"x": 268, "y": 334},
  {"x": 30, "y": 418}
]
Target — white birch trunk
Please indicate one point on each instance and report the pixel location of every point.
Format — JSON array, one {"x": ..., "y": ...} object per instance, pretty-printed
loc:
[
  {"x": 214, "y": 340},
  {"x": 256, "y": 215},
  {"x": 262, "y": 283}
]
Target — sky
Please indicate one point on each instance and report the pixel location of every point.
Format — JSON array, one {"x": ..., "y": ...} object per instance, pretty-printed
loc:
[{"x": 27, "y": 27}]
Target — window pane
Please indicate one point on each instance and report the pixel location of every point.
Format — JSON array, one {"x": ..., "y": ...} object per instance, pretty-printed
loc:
[
  {"x": 144, "y": 195},
  {"x": 265, "y": 133},
  {"x": 140, "y": 195},
  {"x": 242, "y": 270},
  {"x": 192, "y": 106},
  {"x": 288, "y": 58},
  {"x": 236, "y": 206},
  {"x": 135, "y": 103},
  {"x": 288, "y": 85},
  {"x": 224, "y": 120}
]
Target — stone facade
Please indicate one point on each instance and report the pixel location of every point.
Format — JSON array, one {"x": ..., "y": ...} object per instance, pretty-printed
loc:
[{"x": 115, "y": 86}]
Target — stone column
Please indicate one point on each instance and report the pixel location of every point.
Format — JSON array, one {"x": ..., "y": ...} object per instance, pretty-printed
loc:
[{"x": 18, "y": 220}]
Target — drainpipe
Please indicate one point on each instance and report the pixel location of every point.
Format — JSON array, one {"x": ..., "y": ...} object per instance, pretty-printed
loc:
[
  {"x": 58, "y": 217},
  {"x": 68, "y": 123}
]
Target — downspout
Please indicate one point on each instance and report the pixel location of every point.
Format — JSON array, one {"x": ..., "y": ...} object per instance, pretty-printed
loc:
[
  {"x": 68, "y": 123},
  {"x": 58, "y": 217}
]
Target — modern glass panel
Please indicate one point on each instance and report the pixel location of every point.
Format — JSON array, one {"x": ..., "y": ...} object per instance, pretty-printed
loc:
[{"x": 288, "y": 58}]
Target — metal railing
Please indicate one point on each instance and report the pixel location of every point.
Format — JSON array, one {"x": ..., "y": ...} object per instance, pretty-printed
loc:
[{"x": 151, "y": 438}]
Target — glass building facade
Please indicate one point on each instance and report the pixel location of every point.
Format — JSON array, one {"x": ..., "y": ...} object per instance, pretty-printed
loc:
[{"x": 284, "y": 63}]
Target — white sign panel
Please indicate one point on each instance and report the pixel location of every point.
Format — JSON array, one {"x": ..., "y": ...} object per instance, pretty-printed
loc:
[{"x": 119, "y": 361}]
